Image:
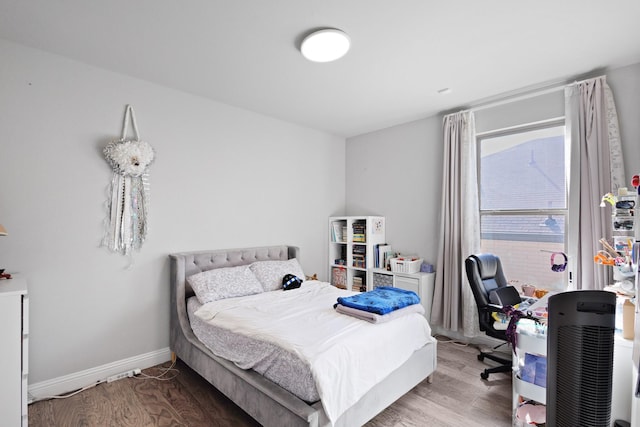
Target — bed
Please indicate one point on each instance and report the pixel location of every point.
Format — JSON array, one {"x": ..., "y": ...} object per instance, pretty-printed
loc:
[{"x": 267, "y": 402}]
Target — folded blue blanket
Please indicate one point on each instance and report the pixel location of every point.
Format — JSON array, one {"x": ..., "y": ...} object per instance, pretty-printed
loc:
[{"x": 381, "y": 300}]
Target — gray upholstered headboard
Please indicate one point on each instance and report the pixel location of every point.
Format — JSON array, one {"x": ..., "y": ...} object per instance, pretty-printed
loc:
[{"x": 185, "y": 264}]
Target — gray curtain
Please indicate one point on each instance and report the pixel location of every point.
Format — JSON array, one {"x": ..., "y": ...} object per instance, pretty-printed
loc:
[
  {"x": 596, "y": 169},
  {"x": 453, "y": 305}
]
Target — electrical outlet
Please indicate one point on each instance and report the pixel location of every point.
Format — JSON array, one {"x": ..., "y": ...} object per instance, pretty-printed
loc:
[{"x": 127, "y": 374}]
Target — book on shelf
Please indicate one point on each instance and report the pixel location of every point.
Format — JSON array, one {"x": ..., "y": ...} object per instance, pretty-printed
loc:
[
  {"x": 359, "y": 227},
  {"x": 359, "y": 232},
  {"x": 377, "y": 259},
  {"x": 360, "y": 249},
  {"x": 385, "y": 253},
  {"x": 338, "y": 231},
  {"x": 359, "y": 260},
  {"x": 357, "y": 284},
  {"x": 359, "y": 253}
]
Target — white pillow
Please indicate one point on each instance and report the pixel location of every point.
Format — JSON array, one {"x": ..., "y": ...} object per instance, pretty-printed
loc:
[
  {"x": 221, "y": 283},
  {"x": 270, "y": 273}
]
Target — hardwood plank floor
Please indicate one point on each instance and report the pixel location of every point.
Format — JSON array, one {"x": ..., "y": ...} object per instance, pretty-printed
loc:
[{"x": 456, "y": 397}]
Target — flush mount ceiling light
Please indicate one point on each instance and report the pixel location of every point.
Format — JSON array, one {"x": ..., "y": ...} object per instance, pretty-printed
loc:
[{"x": 325, "y": 45}]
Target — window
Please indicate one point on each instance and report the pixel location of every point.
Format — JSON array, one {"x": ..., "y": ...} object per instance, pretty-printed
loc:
[{"x": 523, "y": 201}]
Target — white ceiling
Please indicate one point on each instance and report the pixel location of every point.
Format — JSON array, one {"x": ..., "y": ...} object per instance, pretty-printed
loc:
[{"x": 245, "y": 52}]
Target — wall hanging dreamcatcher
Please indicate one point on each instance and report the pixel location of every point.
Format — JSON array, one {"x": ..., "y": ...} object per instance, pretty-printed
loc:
[{"x": 128, "y": 203}]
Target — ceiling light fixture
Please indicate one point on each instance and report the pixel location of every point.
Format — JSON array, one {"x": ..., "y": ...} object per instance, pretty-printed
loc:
[{"x": 325, "y": 45}]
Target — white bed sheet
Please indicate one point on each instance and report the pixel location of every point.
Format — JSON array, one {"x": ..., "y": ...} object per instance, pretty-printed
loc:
[
  {"x": 282, "y": 367},
  {"x": 347, "y": 356}
]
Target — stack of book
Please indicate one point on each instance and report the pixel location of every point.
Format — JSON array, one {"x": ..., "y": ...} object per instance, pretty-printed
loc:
[
  {"x": 359, "y": 232},
  {"x": 382, "y": 254},
  {"x": 338, "y": 231},
  {"x": 360, "y": 256},
  {"x": 358, "y": 285}
]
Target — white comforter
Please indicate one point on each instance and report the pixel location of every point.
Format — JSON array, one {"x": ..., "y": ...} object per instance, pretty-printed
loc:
[{"x": 347, "y": 356}]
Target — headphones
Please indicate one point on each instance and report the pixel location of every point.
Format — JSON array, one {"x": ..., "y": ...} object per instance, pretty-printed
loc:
[{"x": 558, "y": 268}]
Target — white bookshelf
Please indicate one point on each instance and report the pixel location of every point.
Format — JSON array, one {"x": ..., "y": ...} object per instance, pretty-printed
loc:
[{"x": 352, "y": 243}]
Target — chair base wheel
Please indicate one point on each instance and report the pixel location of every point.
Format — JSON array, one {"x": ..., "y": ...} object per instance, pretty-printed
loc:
[
  {"x": 484, "y": 375},
  {"x": 481, "y": 357}
]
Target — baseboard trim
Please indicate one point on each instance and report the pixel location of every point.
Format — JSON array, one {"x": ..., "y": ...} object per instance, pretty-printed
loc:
[
  {"x": 78, "y": 380},
  {"x": 480, "y": 341}
]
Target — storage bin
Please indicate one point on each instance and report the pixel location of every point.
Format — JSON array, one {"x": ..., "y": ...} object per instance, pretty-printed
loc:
[
  {"x": 380, "y": 279},
  {"x": 405, "y": 264}
]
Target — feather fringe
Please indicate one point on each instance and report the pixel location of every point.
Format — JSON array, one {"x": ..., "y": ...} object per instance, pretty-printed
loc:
[{"x": 127, "y": 206}]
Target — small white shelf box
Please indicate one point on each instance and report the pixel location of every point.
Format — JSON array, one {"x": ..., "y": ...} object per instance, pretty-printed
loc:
[{"x": 420, "y": 283}]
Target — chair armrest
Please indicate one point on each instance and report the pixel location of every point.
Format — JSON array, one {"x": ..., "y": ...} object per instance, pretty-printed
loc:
[
  {"x": 492, "y": 308},
  {"x": 504, "y": 296}
]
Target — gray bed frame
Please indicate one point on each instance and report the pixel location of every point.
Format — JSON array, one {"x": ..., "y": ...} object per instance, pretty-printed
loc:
[{"x": 266, "y": 402}]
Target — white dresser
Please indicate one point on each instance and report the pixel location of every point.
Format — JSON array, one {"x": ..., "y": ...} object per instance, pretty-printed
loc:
[
  {"x": 14, "y": 357},
  {"x": 420, "y": 283}
]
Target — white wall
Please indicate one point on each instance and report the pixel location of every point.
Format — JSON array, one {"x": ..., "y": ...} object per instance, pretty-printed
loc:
[
  {"x": 397, "y": 172},
  {"x": 625, "y": 85},
  {"x": 223, "y": 177},
  {"x": 529, "y": 110}
]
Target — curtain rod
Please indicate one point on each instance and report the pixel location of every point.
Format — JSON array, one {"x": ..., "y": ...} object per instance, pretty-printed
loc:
[
  {"x": 515, "y": 97},
  {"x": 530, "y": 92}
]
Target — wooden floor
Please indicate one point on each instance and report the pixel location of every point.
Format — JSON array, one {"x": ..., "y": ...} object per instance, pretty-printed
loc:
[{"x": 456, "y": 397}]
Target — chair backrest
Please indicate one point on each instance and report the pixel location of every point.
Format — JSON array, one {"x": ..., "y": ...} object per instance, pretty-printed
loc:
[{"x": 484, "y": 272}]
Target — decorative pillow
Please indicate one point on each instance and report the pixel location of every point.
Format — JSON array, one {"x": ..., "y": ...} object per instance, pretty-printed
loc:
[
  {"x": 221, "y": 283},
  {"x": 290, "y": 281},
  {"x": 270, "y": 273}
]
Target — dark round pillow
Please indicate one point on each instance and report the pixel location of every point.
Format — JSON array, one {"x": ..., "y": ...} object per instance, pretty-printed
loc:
[{"x": 290, "y": 281}]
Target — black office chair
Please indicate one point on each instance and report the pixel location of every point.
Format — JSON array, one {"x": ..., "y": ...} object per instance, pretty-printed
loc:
[{"x": 491, "y": 292}]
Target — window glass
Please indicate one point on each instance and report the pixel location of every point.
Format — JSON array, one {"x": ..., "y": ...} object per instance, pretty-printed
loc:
[
  {"x": 523, "y": 202},
  {"x": 523, "y": 170}
]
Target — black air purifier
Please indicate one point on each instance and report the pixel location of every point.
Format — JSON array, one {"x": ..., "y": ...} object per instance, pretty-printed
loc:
[{"x": 580, "y": 340}]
